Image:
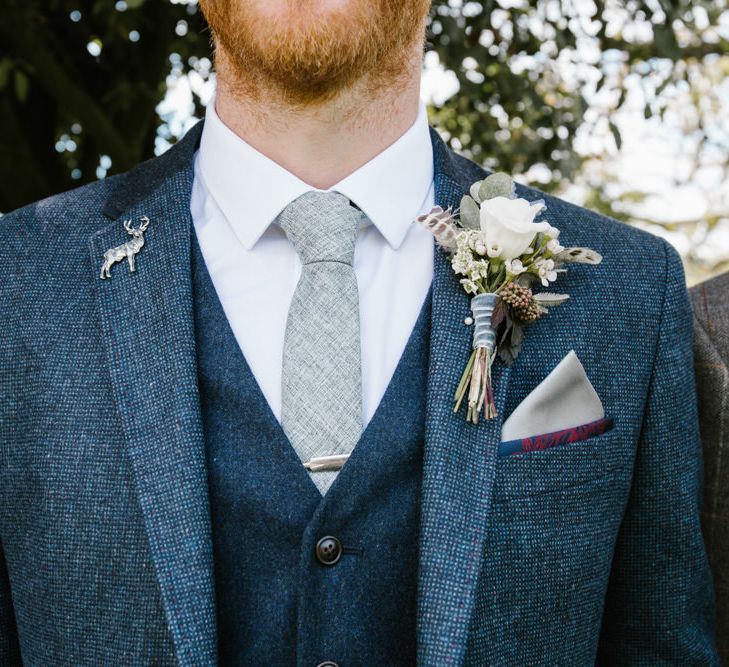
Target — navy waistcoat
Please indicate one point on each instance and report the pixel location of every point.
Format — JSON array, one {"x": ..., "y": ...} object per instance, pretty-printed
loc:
[{"x": 276, "y": 603}]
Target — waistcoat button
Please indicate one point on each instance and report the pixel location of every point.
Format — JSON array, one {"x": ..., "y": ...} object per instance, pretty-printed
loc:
[
  {"x": 327, "y": 663},
  {"x": 328, "y": 552}
]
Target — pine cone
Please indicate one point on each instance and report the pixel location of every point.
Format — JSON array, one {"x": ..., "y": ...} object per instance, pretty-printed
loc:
[{"x": 519, "y": 298}]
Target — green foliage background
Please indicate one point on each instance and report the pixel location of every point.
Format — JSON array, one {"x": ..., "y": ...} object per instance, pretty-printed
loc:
[{"x": 80, "y": 81}]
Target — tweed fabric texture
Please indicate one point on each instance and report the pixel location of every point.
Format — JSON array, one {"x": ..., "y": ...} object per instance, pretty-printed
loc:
[
  {"x": 321, "y": 392},
  {"x": 277, "y": 605},
  {"x": 591, "y": 553},
  {"x": 79, "y": 563},
  {"x": 711, "y": 356}
]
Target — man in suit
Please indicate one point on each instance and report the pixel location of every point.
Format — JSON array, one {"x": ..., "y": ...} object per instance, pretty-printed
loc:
[
  {"x": 186, "y": 345},
  {"x": 711, "y": 354}
]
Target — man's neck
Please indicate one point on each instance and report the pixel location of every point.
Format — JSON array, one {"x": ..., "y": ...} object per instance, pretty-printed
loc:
[{"x": 325, "y": 143}]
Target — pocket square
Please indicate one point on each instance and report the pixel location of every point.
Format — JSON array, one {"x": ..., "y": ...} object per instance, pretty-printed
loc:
[{"x": 565, "y": 399}]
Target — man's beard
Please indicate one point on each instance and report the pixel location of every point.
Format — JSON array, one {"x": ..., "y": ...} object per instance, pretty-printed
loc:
[{"x": 311, "y": 50}]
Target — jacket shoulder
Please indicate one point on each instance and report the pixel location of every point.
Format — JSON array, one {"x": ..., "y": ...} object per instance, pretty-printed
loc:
[
  {"x": 583, "y": 226},
  {"x": 37, "y": 240},
  {"x": 579, "y": 226},
  {"x": 57, "y": 206},
  {"x": 638, "y": 266}
]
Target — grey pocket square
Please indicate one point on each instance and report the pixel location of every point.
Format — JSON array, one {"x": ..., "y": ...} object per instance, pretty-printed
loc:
[{"x": 564, "y": 399}]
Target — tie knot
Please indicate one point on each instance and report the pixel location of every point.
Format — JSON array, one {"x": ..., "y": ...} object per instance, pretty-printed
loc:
[{"x": 322, "y": 226}]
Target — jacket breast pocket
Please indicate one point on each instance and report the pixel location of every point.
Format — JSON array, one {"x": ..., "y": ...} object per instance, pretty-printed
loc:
[{"x": 562, "y": 466}]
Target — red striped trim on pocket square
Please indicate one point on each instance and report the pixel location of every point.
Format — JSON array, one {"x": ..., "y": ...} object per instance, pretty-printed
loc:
[{"x": 538, "y": 443}]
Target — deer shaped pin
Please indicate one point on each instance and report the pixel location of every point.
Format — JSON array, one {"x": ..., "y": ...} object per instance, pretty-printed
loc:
[{"x": 126, "y": 250}]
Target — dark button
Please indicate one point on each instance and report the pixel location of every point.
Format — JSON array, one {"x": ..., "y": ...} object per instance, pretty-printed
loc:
[
  {"x": 327, "y": 663},
  {"x": 328, "y": 552}
]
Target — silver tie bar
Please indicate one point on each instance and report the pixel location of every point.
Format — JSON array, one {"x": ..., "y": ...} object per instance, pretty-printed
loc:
[{"x": 318, "y": 463}]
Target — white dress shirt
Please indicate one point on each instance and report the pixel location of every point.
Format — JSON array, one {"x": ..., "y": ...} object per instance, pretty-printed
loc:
[{"x": 237, "y": 194}]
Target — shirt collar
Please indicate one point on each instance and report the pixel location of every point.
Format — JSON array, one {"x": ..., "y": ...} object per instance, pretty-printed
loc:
[{"x": 251, "y": 189}]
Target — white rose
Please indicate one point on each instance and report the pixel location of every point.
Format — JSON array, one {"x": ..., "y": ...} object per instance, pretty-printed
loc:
[{"x": 509, "y": 225}]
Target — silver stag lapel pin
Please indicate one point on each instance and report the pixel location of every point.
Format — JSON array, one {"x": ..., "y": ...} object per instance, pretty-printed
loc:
[{"x": 126, "y": 250}]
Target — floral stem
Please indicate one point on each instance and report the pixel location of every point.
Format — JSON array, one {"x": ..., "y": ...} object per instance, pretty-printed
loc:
[
  {"x": 490, "y": 406},
  {"x": 474, "y": 390},
  {"x": 461, "y": 391},
  {"x": 476, "y": 382},
  {"x": 504, "y": 284}
]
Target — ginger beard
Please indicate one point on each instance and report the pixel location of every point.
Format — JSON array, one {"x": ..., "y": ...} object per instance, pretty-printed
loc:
[{"x": 308, "y": 51}]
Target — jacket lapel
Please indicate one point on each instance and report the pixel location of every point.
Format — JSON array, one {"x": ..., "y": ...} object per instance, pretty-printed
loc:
[
  {"x": 459, "y": 458},
  {"x": 148, "y": 332}
]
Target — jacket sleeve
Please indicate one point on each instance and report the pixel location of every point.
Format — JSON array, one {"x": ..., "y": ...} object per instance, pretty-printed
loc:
[
  {"x": 659, "y": 607},
  {"x": 9, "y": 648}
]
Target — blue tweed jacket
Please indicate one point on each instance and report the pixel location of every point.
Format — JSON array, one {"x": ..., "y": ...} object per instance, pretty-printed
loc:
[{"x": 576, "y": 555}]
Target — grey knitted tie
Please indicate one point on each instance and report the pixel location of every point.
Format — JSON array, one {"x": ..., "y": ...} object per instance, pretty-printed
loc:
[{"x": 322, "y": 377}]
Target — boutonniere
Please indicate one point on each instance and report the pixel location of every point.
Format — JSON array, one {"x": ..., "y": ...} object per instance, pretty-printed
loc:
[{"x": 500, "y": 250}]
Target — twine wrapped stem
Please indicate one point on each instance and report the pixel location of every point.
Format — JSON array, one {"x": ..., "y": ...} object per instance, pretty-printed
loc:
[{"x": 476, "y": 378}]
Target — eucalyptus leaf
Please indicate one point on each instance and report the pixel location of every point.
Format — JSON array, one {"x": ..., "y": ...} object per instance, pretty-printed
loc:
[
  {"x": 470, "y": 215},
  {"x": 496, "y": 185},
  {"x": 474, "y": 191},
  {"x": 550, "y": 298}
]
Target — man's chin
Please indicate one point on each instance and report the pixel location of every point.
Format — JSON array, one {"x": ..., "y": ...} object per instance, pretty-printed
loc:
[{"x": 310, "y": 50}]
